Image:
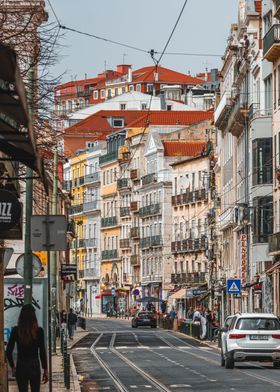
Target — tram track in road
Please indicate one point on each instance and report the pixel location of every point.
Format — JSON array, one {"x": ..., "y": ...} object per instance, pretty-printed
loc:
[{"x": 156, "y": 385}]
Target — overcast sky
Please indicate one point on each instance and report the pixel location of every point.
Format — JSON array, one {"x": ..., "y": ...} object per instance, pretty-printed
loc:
[{"x": 203, "y": 28}]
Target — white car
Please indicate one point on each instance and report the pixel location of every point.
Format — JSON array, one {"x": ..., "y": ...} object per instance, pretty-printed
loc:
[{"x": 251, "y": 337}]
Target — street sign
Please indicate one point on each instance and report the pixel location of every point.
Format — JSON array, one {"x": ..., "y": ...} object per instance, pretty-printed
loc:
[
  {"x": 233, "y": 286},
  {"x": 54, "y": 226},
  {"x": 113, "y": 291}
]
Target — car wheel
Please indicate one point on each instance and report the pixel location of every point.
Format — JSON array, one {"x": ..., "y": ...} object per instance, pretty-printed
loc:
[
  {"x": 276, "y": 365},
  {"x": 229, "y": 362},
  {"x": 222, "y": 359}
]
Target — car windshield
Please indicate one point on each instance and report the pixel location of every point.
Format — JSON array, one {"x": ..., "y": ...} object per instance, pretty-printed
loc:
[
  {"x": 255, "y": 324},
  {"x": 144, "y": 314}
]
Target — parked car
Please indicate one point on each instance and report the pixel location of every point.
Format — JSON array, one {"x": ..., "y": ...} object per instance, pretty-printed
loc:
[
  {"x": 251, "y": 337},
  {"x": 144, "y": 318}
]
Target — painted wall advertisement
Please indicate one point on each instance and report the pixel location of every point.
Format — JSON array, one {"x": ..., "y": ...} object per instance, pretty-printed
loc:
[{"x": 14, "y": 300}]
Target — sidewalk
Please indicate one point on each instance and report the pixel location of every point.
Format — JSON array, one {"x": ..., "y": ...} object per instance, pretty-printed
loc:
[{"x": 57, "y": 370}]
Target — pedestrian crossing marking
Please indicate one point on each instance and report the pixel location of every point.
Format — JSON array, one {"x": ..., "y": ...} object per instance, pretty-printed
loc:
[{"x": 234, "y": 287}]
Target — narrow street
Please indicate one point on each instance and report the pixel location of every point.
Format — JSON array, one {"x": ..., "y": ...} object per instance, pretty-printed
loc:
[{"x": 115, "y": 357}]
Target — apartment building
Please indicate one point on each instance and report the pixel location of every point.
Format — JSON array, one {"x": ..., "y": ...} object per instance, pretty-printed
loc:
[
  {"x": 82, "y": 180},
  {"x": 190, "y": 215},
  {"x": 271, "y": 54},
  {"x": 244, "y": 120}
]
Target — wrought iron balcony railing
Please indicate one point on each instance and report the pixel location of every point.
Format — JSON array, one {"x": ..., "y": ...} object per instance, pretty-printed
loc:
[
  {"x": 109, "y": 221},
  {"x": 153, "y": 209}
]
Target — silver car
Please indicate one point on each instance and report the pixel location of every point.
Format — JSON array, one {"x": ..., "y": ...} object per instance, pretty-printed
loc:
[{"x": 251, "y": 337}]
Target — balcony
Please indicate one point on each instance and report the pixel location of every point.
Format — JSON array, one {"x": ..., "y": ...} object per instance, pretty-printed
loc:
[
  {"x": 196, "y": 277},
  {"x": 109, "y": 254},
  {"x": 152, "y": 278},
  {"x": 77, "y": 209},
  {"x": 81, "y": 274},
  {"x": 134, "y": 260},
  {"x": 111, "y": 156},
  {"x": 90, "y": 206},
  {"x": 71, "y": 228},
  {"x": 135, "y": 232},
  {"x": 274, "y": 244},
  {"x": 152, "y": 209},
  {"x": 91, "y": 273},
  {"x": 199, "y": 195},
  {"x": 271, "y": 43},
  {"x": 200, "y": 244},
  {"x": 91, "y": 243},
  {"x": 149, "y": 179},
  {"x": 222, "y": 112},
  {"x": 124, "y": 243},
  {"x": 109, "y": 221},
  {"x": 179, "y": 278},
  {"x": 277, "y": 9},
  {"x": 239, "y": 115},
  {"x": 134, "y": 206},
  {"x": 134, "y": 175},
  {"x": 82, "y": 243},
  {"x": 124, "y": 211},
  {"x": 148, "y": 242},
  {"x": 93, "y": 177},
  {"x": 123, "y": 183}
]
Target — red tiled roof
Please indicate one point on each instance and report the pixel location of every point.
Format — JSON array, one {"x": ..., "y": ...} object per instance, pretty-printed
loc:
[
  {"x": 165, "y": 75},
  {"x": 170, "y": 117},
  {"x": 183, "y": 148},
  {"x": 201, "y": 76},
  {"x": 99, "y": 121},
  {"x": 258, "y": 6}
]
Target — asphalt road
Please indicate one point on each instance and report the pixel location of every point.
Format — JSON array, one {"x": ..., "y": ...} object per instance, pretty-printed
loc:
[{"x": 115, "y": 357}]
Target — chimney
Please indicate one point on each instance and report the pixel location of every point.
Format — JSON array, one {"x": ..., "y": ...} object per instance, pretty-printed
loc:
[
  {"x": 206, "y": 74},
  {"x": 123, "y": 68}
]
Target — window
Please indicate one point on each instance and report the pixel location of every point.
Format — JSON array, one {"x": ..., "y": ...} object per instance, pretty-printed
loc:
[
  {"x": 109, "y": 94},
  {"x": 138, "y": 87},
  {"x": 262, "y": 161},
  {"x": 258, "y": 324},
  {"x": 116, "y": 91},
  {"x": 268, "y": 94},
  {"x": 95, "y": 94},
  {"x": 263, "y": 219},
  {"x": 169, "y": 107},
  {"x": 70, "y": 106},
  {"x": 103, "y": 94},
  {"x": 143, "y": 106},
  {"x": 118, "y": 123},
  {"x": 122, "y": 106},
  {"x": 131, "y": 88},
  {"x": 123, "y": 90},
  {"x": 150, "y": 88}
]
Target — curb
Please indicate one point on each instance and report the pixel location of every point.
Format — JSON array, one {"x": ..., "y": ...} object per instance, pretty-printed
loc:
[
  {"x": 86, "y": 332},
  {"x": 76, "y": 383},
  {"x": 197, "y": 340}
]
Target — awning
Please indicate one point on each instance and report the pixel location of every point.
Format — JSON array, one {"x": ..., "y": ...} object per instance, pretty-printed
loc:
[
  {"x": 98, "y": 296},
  {"x": 182, "y": 293},
  {"x": 17, "y": 138}
]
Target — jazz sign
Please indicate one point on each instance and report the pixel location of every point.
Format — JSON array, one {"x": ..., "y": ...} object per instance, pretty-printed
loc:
[
  {"x": 10, "y": 210},
  {"x": 244, "y": 266}
]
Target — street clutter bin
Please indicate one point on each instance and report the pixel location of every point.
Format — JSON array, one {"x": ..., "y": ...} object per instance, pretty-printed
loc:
[{"x": 81, "y": 322}]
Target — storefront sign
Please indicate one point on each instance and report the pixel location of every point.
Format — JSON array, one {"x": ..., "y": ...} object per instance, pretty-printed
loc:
[
  {"x": 244, "y": 265},
  {"x": 68, "y": 272},
  {"x": 10, "y": 210}
]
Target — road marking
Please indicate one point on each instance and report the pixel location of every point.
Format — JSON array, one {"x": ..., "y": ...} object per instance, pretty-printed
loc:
[
  {"x": 180, "y": 386},
  {"x": 133, "y": 386},
  {"x": 101, "y": 348},
  {"x": 121, "y": 347}
]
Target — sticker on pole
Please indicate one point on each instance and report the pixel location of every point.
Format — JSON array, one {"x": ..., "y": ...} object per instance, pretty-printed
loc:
[{"x": 233, "y": 286}]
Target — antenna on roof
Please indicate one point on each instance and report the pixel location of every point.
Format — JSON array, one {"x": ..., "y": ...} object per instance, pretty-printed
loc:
[
  {"x": 105, "y": 65},
  {"x": 124, "y": 56}
]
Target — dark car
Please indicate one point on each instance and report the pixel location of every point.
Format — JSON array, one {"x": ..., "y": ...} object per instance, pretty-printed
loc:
[{"x": 144, "y": 319}]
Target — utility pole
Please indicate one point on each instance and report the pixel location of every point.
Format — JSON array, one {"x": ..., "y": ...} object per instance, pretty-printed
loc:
[
  {"x": 28, "y": 262},
  {"x": 53, "y": 266}
]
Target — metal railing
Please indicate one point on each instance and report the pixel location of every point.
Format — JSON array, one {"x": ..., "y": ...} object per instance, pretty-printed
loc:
[
  {"x": 92, "y": 177},
  {"x": 272, "y": 37},
  {"x": 109, "y": 221},
  {"x": 152, "y": 209},
  {"x": 134, "y": 232},
  {"x": 76, "y": 209},
  {"x": 111, "y": 156},
  {"x": 151, "y": 241},
  {"x": 109, "y": 254},
  {"x": 122, "y": 183},
  {"x": 124, "y": 243},
  {"x": 190, "y": 197},
  {"x": 91, "y": 242},
  {"x": 124, "y": 211},
  {"x": 149, "y": 178},
  {"x": 152, "y": 278},
  {"x": 90, "y": 206},
  {"x": 134, "y": 260}
]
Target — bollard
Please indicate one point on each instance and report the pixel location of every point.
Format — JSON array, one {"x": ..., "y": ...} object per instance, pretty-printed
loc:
[
  {"x": 67, "y": 371},
  {"x": 61, "y": 340}
]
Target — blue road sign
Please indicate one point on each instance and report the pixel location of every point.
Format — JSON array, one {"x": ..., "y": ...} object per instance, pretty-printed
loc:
[
  {"x": 113, "y": 291},
  {"x": 233, "y": 286}
]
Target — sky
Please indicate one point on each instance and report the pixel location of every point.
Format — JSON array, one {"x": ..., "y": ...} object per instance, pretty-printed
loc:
[{"x": 203, "y": 28}]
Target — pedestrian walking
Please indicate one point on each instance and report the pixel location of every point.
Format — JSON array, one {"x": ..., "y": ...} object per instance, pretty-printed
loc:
[
  {"x": 71, "y": 323},
  {"x": 63, "y": 321},
  {"x": 29, "y": 338}
]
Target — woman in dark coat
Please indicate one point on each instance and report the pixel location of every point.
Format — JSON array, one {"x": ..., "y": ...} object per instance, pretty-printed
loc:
[{"x": 29, "y": 338}]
